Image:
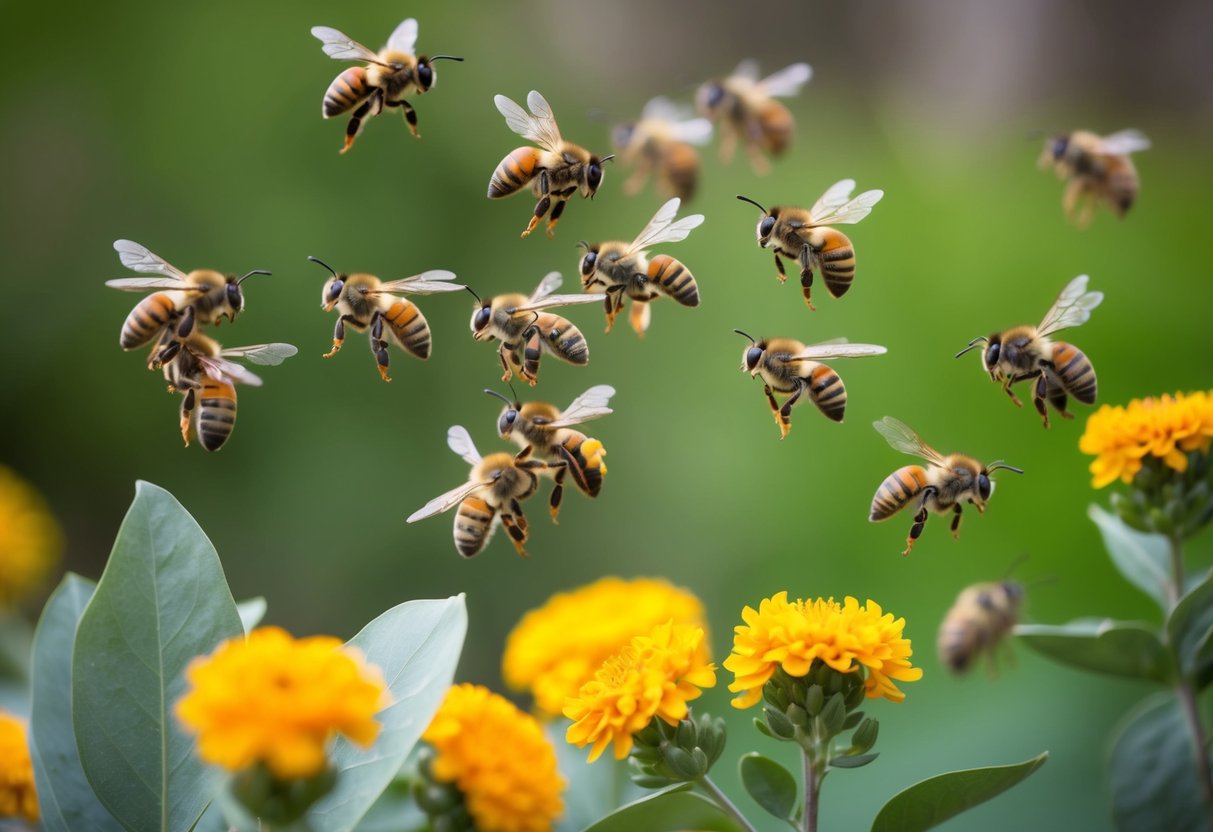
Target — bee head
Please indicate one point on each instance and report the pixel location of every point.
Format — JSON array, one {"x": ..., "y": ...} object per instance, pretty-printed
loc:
[
  {"x": 235, "y": 296},
  {"x": 991, "y": 353},
  {"x": 426, "y": 76},
  {"x": 594, "y": 173},
  {"x": 590, "y": 260},
  {"x": 621, "y": 135},
  {"x": 751, "y": 357},
  {"x": 985, "y": 485},
  {"x": 509, "y": 415},
  {"x": 709, "y": 97},
  {"x": 765, "y": 225},
  {"x": 481, "y": 317},
  {"x": 1058, "y": 146},
  {"x": 333, "y": 287}
]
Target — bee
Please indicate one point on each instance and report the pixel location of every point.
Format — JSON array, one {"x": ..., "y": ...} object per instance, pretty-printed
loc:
[
  {"x": 206, "y": 377},
  {"x": 364, "y": 301},
  {"x": 1096, "y": 169},
  {"x": 1026, "y": 352},
  {"x": 201, "y": 297},
  {"x": 982, "y": 616},
  {"x": 790, "y": 368},
  {"x": 387, "y": 78},
  {"x": 947, "y": 482},
  {"x": 746, "y": 107},
  {"x": 805, "y": 236},
  {"x": 625, "y": 270},
  {"x": 555, "y": 170},
  {"x": 549, "y": 433},
  {"x": 496, "y": 487},
  {"x": 661, "y": 142},
  {"x": 526, "y": 332}
]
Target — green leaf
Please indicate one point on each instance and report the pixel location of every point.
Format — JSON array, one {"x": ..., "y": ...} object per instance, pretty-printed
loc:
[
  {"x": 1118, "y": 648},
  {"x": 853, "y": 760},
  {"x": 674, "y": 809},
  {"x": 1189, "y": 627},
  {"x": 932, "y": 801},
  {"x": 1152, "y": 769},
  {"x": 416, "y": 644},
  {"x": 1144, "y": 559},
  {"x": 16, "y": 639},
  {"x": 161, "y": 601},
  {"x": 64, "y": 795},
  {"x": 251, "y": 612},
  {"x": 394, "y": 811},
  {"x": 771, "y": 785}
]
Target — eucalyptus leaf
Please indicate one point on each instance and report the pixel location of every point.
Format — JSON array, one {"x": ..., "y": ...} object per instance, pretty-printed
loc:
[
  {"x": 1143, "y": 559},
  {"x": 932, "y": 801},
  {"x": 673, "y": 809},
  {"x": 251, "y": 612},
  {"x": 1189, "y": 626},
  {"x": 853, "y": 760},
  {"x": 771, "y": 785},
  {"x": 161, "y": 601},
  {"x": 1118, "y": 648}
]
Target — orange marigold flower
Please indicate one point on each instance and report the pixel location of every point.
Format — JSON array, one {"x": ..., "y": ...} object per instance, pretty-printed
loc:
[
  {"x": 17, "y": 796},
  {"x": 654, "y": 676},
  {"x": 499, "y": 758},
  {"x": 270, "y": 698},
  {"x": 30, "y": 540},
  {"x": 794, "y": 634},
  {"x": 1167, "y": 428}
]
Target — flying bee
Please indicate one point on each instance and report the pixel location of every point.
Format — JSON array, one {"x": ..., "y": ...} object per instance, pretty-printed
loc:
[
  {"x": 805, "y": 236},
  {"x": 661, "y": 142},
  {"x": 364, "y": 301},
  {"x": 982, "y": 616},
  {"x": 201, "y": 297},
  {"x": 790, "y": 368},
  {"x": 526, "y": 331},
  {"x": 746, "y": 107},
  {"x": 496, "y": 487},
  {"x": 387, "y": 78},
  {"x": 555, "y": 170},
  {"x": 1026, "y": 352},
  {"x": 548, "y": 431},
  {"x": 625, "y": 270},
  {"x": 206, "y": 377},
  {"x": 942, "y": 486},
  {"x": 1096, "y": 169}
]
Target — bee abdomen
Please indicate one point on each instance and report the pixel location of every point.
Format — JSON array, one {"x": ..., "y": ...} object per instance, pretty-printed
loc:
[
  {"x": 148, "y": 317},
  {"x": 896, "y": 491},
  {"x": 828, "y": 392},
  {"x": 837, "y": 263},
  {"x": 515, "y": 171},
  {"x": 681, "y": 170},
  {"x": 410, "y": 327},
  {"x": 777, "y": 127},
  {"x": 472, "y": 523},
  {"x": 675, "y": 279},
  {"x": 1075, "y": 371},
  {"x": 216, "y": 414},
  {"x": 569, "y": 344},
  {"x": 347, "y": 91},
  {"x": 1122, "y": 187},
  {"x": 584, "y": 458}
]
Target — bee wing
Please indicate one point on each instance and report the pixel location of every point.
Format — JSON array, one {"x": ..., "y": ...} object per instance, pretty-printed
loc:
[
  {"x": 341, "y": 47},
  {"x": 558, "y": 300},
  {"x": 678, "y": 120},
  {"x": 539, "y": 125},
  {"x": 851, "y": 212},
  {"x": 426, "y": 283},
  {"x": 550, "y": 283},
  {"x": 662, "y": 229},
  {"x": 221, "y": 369},
  {"x": 146, "y": 284},
  {"x": 404, "y": 38},
  {"x": 746, "y": 70},
  {"x": 787, "y": 81},
  {"x": 692, "y": 131},
  {"x": 1072, "y": 307},
  {"x": 664, "y": 109},
  {"x": 460, "y": 441},
  {"x": 589, "y": 405},
  {"x": 1124, "y": 142},
  {"x": 138, "y": 259},
  {"x": 835, "y": 197},
  {"x": 901, "y": 438},
  {"x": 445, "y": 502},
  {"x": 839, "y": 350},
  {"x": 270, "y": 355}
]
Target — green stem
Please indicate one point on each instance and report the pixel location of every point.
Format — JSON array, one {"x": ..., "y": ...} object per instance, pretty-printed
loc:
[
  {"x": 722, "y": 800},
  {"x": 812, "y": 792},
  {"x": 1175, "y": 589}
]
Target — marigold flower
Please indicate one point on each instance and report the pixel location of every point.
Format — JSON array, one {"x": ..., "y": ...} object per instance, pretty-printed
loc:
[
  {"x": 499, "y": 758},
  {"x": 654, "y": 676},
  {"x": 1167, "y": 428},
  {"x": 845, "y": 637},
  {"x": 30, "y": 540},
  {"x": 274, "y": 699},
  {"x": 17, "y": 796},
  {"x": 556, "y": 648}
]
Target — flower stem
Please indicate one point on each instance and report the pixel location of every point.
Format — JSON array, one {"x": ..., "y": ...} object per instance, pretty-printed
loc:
[
  {"x": 722, "y": 800},
  {"x": 812, "y": 792},
  {"x": 1175, "y": 589}
]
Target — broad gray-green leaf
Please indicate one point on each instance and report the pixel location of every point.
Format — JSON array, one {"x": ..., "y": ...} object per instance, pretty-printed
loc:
[
  {"x": 394, "y": 811},
  {"x": 1189, "y": 627},
  {"x": 161, "y": 601},
  {"x": 1144, "y": 559},
  {"x": 64, "y": 795},
  {"x": 1118, "y": 648},
  {"x": 675, "y": 808},
  {"x": 16, "y": 637},
  {"x": 932, "y": 801},
  {"x": 771, "y": 785},
  {"x": 251, "y": 612}
]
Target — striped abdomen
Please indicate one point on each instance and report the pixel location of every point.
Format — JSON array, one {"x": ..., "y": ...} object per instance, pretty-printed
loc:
[
  {"x": 679, "y": 170},
  {"x": 514, "y": 172},
  {"x": 897, "y": 490},
  {"x": 837, "y": 257},
  {"x": 149, "y": 316},
  {"x": 409, "y": 327},
  {"x": 562, "y": 339},
  {"x": 777, "y": 126},
  {"x": 827, "y": 391},
  {"x": 1122, "y": 185},
  {"x": 583, "y": 456},
  {"x": 347, "y": 91},
  {"x": 216, "y": 413},
  {"x": 1074, "y": 370},
  {"x": 674, "y": 279},
  {"x": 473, "y": 525}
]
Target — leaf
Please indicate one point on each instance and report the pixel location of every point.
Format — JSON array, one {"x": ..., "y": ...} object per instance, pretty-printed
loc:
[
  {"x": 932, "y": 801},
  {"x": 161, "y": 601},
  {"x": 1189, "y": 627},
  {"x": 416, "y": 644},
  {"x": 1152, "y": 769},
  {"x": 394, "y": 811},
  {"x": 251, "y": 612},
  {"x": 771, "y": 785},
  {"x": 16, "y": 639},
  {"x": 674, "y": 809},
  {"x": 1118, "y": 648},
  {"x": 853, "y": 761},
  {"x": 64, "y": 795},
  {"x": 1144, "y": 559}
]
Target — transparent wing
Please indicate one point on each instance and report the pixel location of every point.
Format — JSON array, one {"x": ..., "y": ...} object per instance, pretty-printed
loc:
[
  {"x": 426, "y": 283},
  {"x": 341, "y": 47},
  {"x": 787, "y": 81},
  {"x": 747, "y": 70},
  {"x": 678, "y": 120},
  {"x": 445, "y": 502},
  {"x": 1072, "y": 307},
  {"x": 901, "y": 438},
  {"x": 852, "y": 212},
  {"x": 589, "y": 405},
  {"x": 404, "y": 38},
  {"x": 817, "y": 351},
  {"x": 269, "y": 355},
  {"x": 540, "y": 128},
  {"x": 550, "y": 283},
  {"x": 146, "y": 284},
  {"x": 692, "y": 131},
  {"x": 460, "y": 441},
  {"x": 664, "y": 109},
  {"x": 558, "y": 300},
  {"x": 662, "y": 229},
  {"x": 138, "y": 259},
  {"x": 835, "y": 197},
  {"x": 229, "y": 371},
  {"x": 1124, "y": 142}
]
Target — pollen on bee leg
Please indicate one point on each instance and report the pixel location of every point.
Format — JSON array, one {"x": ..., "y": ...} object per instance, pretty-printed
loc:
[
  {"x": 383, "y": 372},
  {"x": 530, "y": 226},
  {"x": 336, "y": 348}
]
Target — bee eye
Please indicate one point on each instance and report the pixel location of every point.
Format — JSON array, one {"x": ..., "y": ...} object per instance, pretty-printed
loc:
[
  {"x": 1060, "y": 145},
  {"x": 425, "y": 75},
  {"x": 992, "y": 353},
  {"x": 984, "y": 487},
  {"x": 715, "y": 93},
  {"x": 334, "y": 291},
  {"x": 588, "y": 262},
  {"x": 481, "y": 319},
  {"x": 752, "y": 356},
  {"x": 764, "y": 227},
  {"x": 622, "y": 135},
  {"x": 594, "y": 176},
  {"x": 506, "y": 421},
  {"x": 234, "y": 298}
]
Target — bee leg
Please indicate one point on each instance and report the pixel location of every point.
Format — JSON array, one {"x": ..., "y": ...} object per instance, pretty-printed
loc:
[
  {"x": 379, "y": 345},
  {"x": 613, "y": 303},
  {"x": 635, "y": 182},
  {"x": 806, "y": 274},
  {"x": 957, "y": 513},
  {"x": 338, "y": 336},
  {"x": 784, "y": 414},
  {"x": 530, "y": 357},
  {"x": 759, "y": 162},
  {"x": 920, "y": 520},
  {"x": 187, "y": 412},
  {"x": 766, "y": 388},
  {"x": 1006, "y": 388},
  {"x": 187, "y": 323},
  {"x": 516, "y": 529},
  {"x": 505, "y": 364},
  {"x": 728, "y": 143},
  {"x": 1069, "y": 199},
  {"x": 410, "y": 115},
  {"x": 165, "y": 355},
  {"x": 557, "y": 491},
  {"x": 524, "y": 455},
  {"x": 355, "y": 126},
  {"x": 554, "y": 218},
  {"x": 1038, "y": 398},
  {"x": 782, "y": 276},
  {"x": 542, "y": 206}
]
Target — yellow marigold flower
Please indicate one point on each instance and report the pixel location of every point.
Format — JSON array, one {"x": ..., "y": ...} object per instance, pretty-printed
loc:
[
  {"x": 1121, "y": 437},
  {"x": 30, "y": 540},
  {"x": 499, "y": 758},
  {"x": 655, "y": 675},
  {"x": 844, "y": 637},
  {"x": 274, "y": 699},
  {"x": 17, "y": 796},
  {"x": 556, "y": 648}
]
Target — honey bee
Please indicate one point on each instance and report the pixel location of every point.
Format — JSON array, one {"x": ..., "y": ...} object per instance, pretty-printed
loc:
[
  {"x": 1096, "y": 169},
  {"x": 746, "y": 107},
  {"x": 555, "y": 170},
  {"x": 1027, "y": 352},
  {"x": 805, "y": 236},
  {"x": 201, "y": 297},
  {"x": 661, "y": 142},
  {"x": 947, "y": 482},
  {"x": 494, "y": 492},
  {"x": 525, "y": 331},
  {"x": 982, "y": 616},
  {"x": 549, "y": 433},
  {"x": 364, "y": 301},
  {"x": 790, "y": 368},
  {"x": 625, "y": 270},
  {"x": 205, "y": 376},
  {"x": 388, "y": 77}
]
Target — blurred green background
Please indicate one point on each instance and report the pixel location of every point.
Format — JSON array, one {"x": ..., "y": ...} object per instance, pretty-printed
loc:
[{"x": 195, "y": 129}]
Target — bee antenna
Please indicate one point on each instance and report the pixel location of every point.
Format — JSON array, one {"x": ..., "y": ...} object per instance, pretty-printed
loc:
[
  {"x": 321, "y": 262},
  {"x": 606, "y": 158},
  {"x": 498, "y": 395},
  {"x": 744, "y": 335},
  {"x": 752, "y": 202},
  {"x": 513, "y": 392},
  {"x": 444, "y": 58},
  {"x": 583, "y": 244},
  {"x": 470, "y": 289},
  {"x": 1015, "y": 564},
  {"x": 250, "y": 274},
  {"x": 998, "y": 463},
  {"x": 980, "y": 339}
]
